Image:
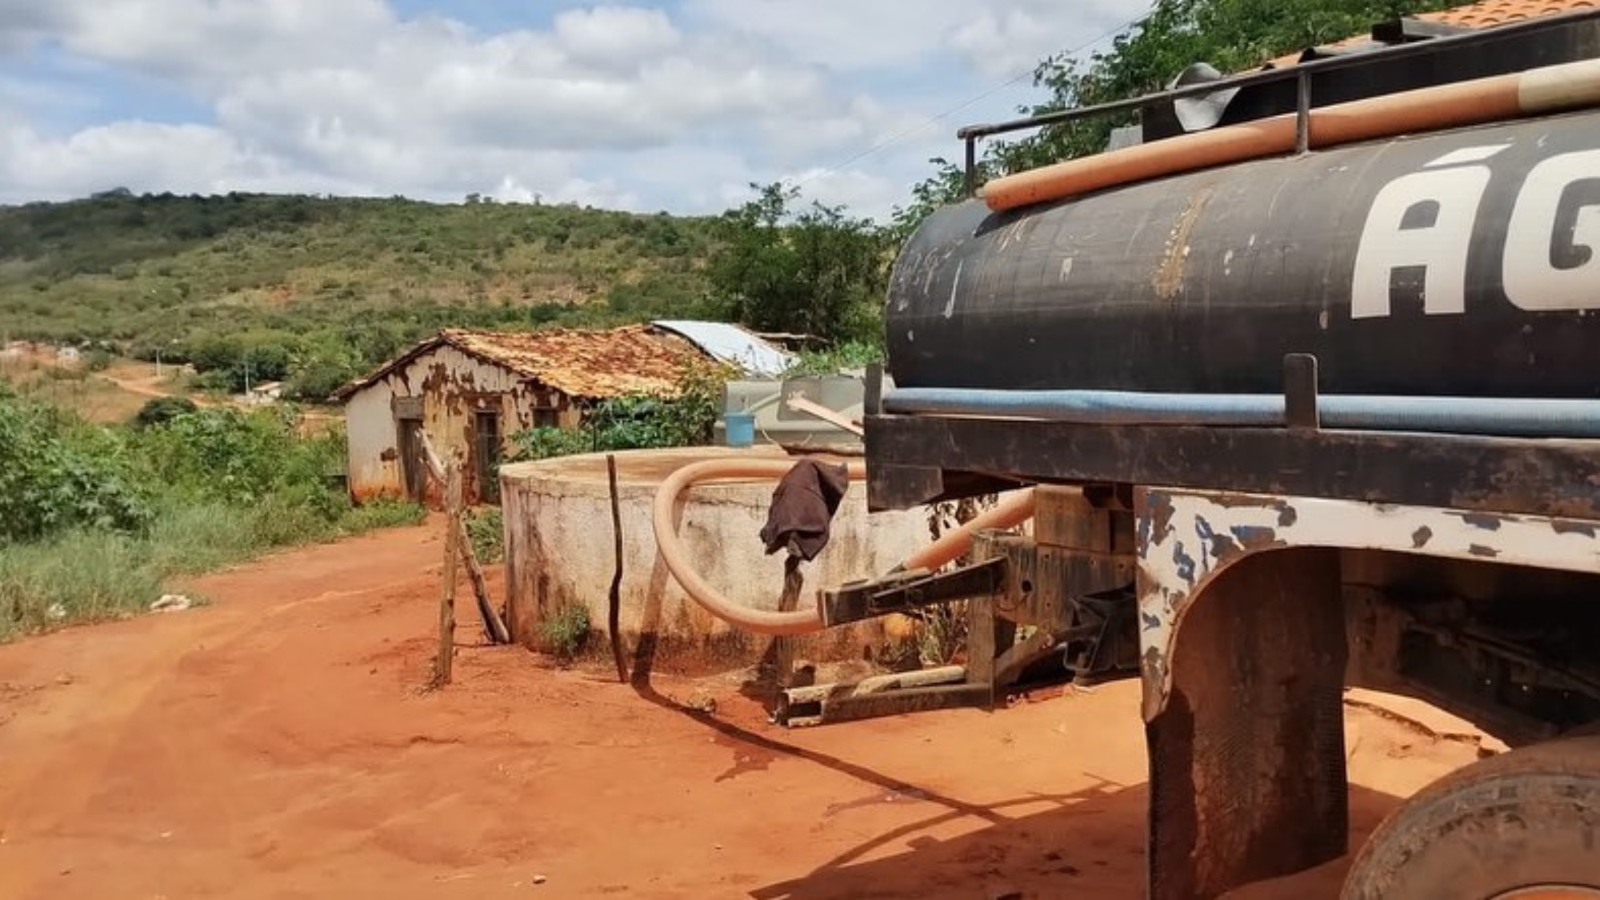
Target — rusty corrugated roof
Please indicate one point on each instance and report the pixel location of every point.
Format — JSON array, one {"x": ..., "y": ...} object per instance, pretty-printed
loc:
[
  {"x": 1490, "y": 13},
  {"x": 1484, "y": 14},
  {"x": 596, "y": 365}
]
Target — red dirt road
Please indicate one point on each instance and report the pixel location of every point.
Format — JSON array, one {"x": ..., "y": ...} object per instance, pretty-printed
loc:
[{"x": 275, "y": 744}]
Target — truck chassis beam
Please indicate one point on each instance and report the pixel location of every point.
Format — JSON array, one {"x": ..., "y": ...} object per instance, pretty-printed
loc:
[{"x": 941, "y": 458}]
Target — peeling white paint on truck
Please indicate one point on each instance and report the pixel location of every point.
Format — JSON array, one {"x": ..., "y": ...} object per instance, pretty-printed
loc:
[{"x": 1188, "y": 537}]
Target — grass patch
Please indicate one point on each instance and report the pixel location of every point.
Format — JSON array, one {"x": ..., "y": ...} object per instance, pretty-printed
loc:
[
  {"x": 387, "y": 513},
  {"x": 85, "y": 576},
  {"x": 90, "y": 576},
  {"x": 79, "y": 576}
]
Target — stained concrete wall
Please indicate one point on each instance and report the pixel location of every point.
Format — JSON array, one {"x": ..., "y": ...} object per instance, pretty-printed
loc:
[
  {"x": 373, "y": 465},
  {"x": 559, "y": 551},
  {"x": 451, "y": 386}
]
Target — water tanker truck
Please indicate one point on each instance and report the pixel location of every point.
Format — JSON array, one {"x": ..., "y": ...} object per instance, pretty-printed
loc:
[{"x": 1299, "y": 387}]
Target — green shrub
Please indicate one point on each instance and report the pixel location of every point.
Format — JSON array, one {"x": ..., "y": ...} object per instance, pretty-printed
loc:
[
  {"x": 849, "y": 355},
  {"x": 545, "y": 443},
  {"x": 60, "y": 475},
  {"x": 97, "y": 360},
  {"x": 566, "y": 631},
  {"x": 161, "y": 410},
  {"x": 635, "y": 422},
  {"x": 318, "y": 378},
  {"x": 239, "y": 457},
  {"x": 94, "y": 519},
  {"x": 486, "y": 528},
  {"x": 232, "y": 361}
]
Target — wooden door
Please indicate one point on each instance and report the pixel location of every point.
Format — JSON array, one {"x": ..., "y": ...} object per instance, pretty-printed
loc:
[{"x": 413, "y": 468}]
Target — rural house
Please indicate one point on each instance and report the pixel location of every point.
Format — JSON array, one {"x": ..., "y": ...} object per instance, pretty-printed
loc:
[{"x": 469, "y": 390}]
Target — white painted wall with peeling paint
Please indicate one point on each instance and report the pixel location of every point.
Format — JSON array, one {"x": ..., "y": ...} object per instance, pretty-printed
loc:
[{"x": 452, "y": 386}]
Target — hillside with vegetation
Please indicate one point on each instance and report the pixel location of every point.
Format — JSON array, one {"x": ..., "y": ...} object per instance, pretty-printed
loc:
[{"x": 315, "y": 289}]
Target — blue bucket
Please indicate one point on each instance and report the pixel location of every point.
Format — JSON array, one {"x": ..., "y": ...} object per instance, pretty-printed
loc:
[{"x": 741, "y": 428}]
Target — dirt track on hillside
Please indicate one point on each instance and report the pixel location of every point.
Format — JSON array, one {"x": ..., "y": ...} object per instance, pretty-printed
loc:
[{"x": 275, "y": 744}]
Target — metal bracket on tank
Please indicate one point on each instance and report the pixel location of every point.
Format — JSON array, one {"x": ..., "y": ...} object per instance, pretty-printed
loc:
[
  {"x": 1300, "y": 392},
  {"x": 872, "y": 396}
]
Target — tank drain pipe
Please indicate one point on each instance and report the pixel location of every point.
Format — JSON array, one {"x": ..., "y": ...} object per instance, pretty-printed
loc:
[
  {"x": 1013, "y": 510},
  {"x": 1483, "y": 416}
]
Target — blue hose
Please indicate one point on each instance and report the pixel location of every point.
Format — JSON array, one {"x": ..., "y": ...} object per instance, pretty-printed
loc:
[{"x": 1496, "y": 416}]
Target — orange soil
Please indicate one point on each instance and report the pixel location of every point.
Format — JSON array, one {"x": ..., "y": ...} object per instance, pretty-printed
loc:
[{"x": 275, "y": 744}]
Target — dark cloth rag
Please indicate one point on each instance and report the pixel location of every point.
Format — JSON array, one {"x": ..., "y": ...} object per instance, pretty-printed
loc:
[{"x": 803, "y": 505}]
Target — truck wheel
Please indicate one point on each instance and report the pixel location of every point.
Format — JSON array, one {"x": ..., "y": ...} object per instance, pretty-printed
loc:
[{"x": 1524, "y": 825}]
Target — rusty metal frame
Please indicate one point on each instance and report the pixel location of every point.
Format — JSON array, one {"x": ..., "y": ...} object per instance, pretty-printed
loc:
[
  {"x": 1188, "y": 537},
  {"x": 905, "y": 591},
  {"x": 1071, "y": 581},
  {"x": 939, "y": 458},
  {"x": 1302, "y": 73}
]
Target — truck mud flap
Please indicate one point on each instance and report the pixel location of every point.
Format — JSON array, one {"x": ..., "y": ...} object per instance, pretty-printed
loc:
[{"x": 1247, "y": 764}]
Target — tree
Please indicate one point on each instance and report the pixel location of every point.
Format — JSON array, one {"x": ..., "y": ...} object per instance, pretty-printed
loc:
[
  {"x": 162, "y": 410},
  {"x": 1231, "y": 35},
  {"x": 235, "y": 360},
  {"x": 817, "y": 271}
]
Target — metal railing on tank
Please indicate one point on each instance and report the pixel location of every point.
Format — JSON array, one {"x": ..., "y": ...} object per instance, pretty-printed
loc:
[{"x": 1302, "y": 73}]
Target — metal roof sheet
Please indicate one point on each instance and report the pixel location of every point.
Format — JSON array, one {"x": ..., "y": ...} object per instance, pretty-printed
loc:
[{"x": 731, "y": 344}]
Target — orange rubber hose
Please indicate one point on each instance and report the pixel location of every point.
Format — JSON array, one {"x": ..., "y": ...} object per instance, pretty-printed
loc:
[
  {"x": 1500, "y": 97},
  {"x": 1012, "y": 511}
]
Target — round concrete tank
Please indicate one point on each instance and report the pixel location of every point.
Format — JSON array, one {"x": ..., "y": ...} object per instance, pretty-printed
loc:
[{"x": 559, "y": 553}]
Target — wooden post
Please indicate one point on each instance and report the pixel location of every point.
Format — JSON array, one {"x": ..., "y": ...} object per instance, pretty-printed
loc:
[
  {"x": 447, "y": 594},
  {"x": 783, "y": 647},
  {"x": 494, "y": 628},
  {"x": 613, "y": 623}
]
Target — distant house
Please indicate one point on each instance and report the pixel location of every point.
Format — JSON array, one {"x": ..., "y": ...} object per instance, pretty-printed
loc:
[
  {"x": 264, "y": 393},
  {"x": 469, "y": 390}
]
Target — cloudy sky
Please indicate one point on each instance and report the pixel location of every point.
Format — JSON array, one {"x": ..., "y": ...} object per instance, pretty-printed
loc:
[{"x": 674, "y": 105}]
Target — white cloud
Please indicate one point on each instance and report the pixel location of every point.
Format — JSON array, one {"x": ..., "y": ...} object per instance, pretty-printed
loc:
[
  {"x": 613, "y": 37},
  {"x": 607, "y": 193},
  {"x": 186, "y": 157},
  {"x": 856, "y": 190},
  {"x": 1000, "y": 36},
  {"x": 204, "y": 40},
  {"x": 1008, "y": 39},
  {"x": 612, "y": 105}
]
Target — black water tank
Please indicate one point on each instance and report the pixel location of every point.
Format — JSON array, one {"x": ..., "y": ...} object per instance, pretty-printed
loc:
[{"x": 1456, "y": 263}]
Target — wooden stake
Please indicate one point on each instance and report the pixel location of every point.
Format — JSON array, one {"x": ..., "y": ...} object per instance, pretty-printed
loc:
[
  {"x": 783, "y": 647},
  {"x": 614, "y": 622},
  {"x": 494, "y": 628},
  {"x": 447, "y": 593},
  {"x": 431, "y": 457}
]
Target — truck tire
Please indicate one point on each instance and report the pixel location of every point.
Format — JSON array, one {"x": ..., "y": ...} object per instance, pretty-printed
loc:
[{"x": 1523, "y": 825}]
